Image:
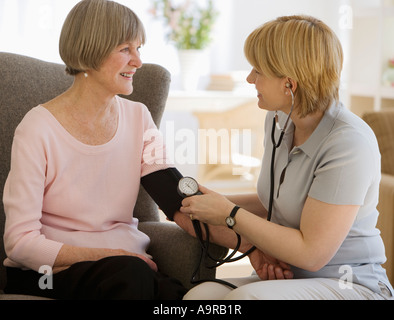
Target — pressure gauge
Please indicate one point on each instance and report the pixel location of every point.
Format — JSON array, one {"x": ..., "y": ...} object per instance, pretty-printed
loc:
[{"x": 188, "y": 187}]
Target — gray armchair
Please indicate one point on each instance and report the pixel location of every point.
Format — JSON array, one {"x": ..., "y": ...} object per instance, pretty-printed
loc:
[{"x": 26, "y": 82}]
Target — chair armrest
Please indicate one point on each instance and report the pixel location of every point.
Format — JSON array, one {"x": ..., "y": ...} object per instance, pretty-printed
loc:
[
  {"x": 386, "y": 220},
  {"x": 176, "y": 253}
]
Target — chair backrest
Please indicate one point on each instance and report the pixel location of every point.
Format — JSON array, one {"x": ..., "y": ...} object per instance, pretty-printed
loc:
[
  {"x": 382, "y": 123},
  {"x": 26, "y": 82}
]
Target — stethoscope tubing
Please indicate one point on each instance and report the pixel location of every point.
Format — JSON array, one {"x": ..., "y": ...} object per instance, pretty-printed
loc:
[{"x": 276, "y": 145}]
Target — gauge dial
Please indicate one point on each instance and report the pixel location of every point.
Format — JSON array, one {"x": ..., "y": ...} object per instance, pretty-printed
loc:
[{"x": 187, "y": 187}]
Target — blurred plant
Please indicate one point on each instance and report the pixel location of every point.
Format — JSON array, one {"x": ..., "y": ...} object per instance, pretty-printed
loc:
[
  {"x": 391, "y": 63},
  {"x": 189, "y": 25}
]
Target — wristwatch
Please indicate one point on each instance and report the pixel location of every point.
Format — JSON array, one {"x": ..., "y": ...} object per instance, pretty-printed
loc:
[
  {"x": 188, "y": 187},
  {"x": 230, "y": 220}
]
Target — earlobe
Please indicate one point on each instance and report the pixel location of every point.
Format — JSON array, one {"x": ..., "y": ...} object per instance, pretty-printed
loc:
[{"x": 290, "y": 86}]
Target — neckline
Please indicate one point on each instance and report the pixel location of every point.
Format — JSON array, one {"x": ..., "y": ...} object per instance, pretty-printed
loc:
[
  {"x": 77, "y": 143},
  {"x": 309, "y": 147}
]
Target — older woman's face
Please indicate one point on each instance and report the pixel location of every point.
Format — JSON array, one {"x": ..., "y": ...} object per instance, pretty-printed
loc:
[{"x": 116, "y": 73}]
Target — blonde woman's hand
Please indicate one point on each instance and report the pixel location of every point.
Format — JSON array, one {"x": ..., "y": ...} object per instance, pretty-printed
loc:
[
  {"x": 210, "y": 207},
  {"x": 269, "y": 268}
]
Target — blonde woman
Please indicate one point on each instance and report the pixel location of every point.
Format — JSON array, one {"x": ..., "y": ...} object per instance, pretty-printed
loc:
[
  {"x": 76, "y": 167},
  {"x": 315, "y": 207}
]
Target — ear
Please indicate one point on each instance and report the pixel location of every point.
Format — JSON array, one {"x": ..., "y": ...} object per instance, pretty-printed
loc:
[{"x": 291, "y": 84}]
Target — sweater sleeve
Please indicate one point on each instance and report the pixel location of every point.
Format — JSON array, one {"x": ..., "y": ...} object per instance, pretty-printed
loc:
[
  {"x": 154, "y": 155},
  {"x": 25, "y": 245}
]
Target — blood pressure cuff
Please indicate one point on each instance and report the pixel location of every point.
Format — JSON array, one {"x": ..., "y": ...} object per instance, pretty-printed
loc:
[{"x": 162, "y": 186}]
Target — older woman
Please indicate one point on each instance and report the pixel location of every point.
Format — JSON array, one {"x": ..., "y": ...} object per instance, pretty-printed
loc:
[
  {"x": 319, "y": 180},
  {"x": 76, "y": 166}
]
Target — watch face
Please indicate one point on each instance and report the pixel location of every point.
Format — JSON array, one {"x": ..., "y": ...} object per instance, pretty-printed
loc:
[
  {"x": 188, "y": 186},
  {"x": 230, "y": 221}
]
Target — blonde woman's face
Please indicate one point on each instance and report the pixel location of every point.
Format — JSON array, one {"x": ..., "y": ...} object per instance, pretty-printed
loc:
[{"x": 271, "y": 92}]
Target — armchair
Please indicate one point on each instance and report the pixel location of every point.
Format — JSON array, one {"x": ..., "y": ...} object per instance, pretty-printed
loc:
[
  {"x": 382, "y": 123},
  {"x": 26, "y": 82}
]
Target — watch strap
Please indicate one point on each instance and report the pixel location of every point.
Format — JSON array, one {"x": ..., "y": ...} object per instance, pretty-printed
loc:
[
  {"x": 234, "y": 211},
  {"x": 231, "y": 223}
]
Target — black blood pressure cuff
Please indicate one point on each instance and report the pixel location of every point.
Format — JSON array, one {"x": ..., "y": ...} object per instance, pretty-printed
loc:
[{"x": 162, "y": 186}]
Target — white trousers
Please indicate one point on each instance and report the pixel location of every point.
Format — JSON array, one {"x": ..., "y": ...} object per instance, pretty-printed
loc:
[{"x": 252, "y": 288}]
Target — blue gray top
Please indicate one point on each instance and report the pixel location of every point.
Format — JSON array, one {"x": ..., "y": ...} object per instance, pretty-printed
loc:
[{"x": 338, "y": 164}]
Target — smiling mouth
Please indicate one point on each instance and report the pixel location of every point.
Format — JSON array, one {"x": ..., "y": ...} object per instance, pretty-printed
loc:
[{"x": 127, "y": 75}]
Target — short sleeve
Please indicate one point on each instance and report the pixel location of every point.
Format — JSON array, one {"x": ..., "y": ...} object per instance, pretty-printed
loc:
[{"x": 346, "y": 167}]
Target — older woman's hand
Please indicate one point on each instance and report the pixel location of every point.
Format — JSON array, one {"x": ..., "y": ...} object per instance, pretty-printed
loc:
[{"x": 68, "y": 255}]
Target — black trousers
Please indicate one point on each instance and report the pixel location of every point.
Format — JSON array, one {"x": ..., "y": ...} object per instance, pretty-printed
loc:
[{"x": 118, "y": 278}]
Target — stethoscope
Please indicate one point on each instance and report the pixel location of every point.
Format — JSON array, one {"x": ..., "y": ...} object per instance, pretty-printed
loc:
[
  {"x": 276, "y": 145},
  {"x": 188, "y": 187}
]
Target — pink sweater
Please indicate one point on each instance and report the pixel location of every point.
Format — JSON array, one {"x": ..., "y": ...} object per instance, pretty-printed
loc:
[{"x": 61, "y": 191}]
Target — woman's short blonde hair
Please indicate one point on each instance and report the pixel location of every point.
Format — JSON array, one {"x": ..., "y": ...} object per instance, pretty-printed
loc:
[
  {"x": 303, "y": 49},
  {"x": 93, "y": 29}
]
